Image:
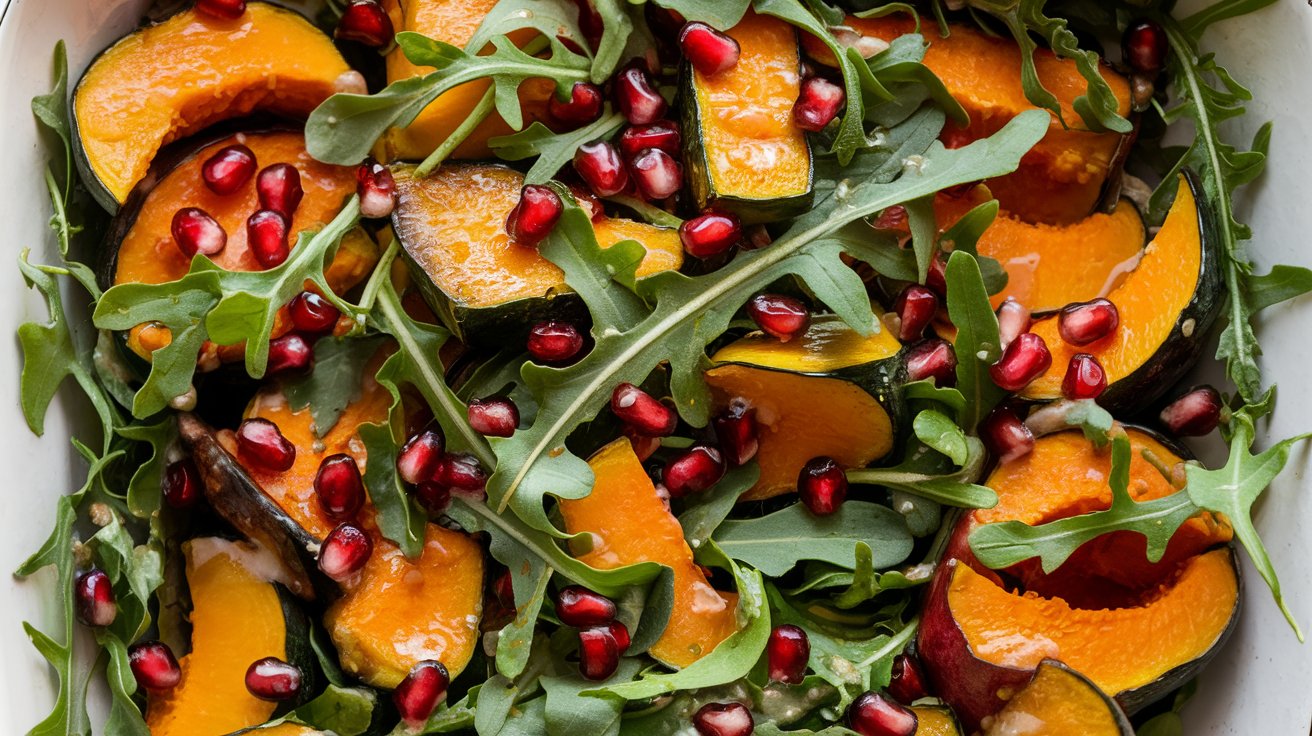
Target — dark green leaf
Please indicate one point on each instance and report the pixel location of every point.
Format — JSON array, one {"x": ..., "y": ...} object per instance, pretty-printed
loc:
[
  {"x": 776, "y": 542},
  {"x": 977, "y": 344},
  {"x": 335, "y": 381},
  {"x": 712, "y": 507},
  {"x": 553, "y": 150}
]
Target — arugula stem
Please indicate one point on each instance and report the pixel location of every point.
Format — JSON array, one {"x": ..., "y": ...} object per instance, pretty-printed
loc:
[
  {"x": 382, "y": 272},
  {"x": 894, "y": 645},
  {"x": 647, "y": 211},
  {"x": 481, "y": 111}
]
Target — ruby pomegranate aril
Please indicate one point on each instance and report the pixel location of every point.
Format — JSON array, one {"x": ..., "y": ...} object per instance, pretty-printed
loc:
[
  {"x": 195, "y": 231},
  {"x": 915, "y": 307},
  {"x": 584, "y": 105},
  {"x": 495, "y": 416},
  {"x": 93, "y": 598},
  {"x": 737, "y": 433},
  {"x": 339, "y": 487},
  {"x": 554, "y": 341},
  {"x": 907, "y": 684},
  {"x": 642, "y": 412},
  {"x": 181, "y": 486},
  {"x": 662, "y": 135},
  {"x": 710, "y": 234},
  {"x": 419, "y": 693},
  {"x": 600, "y": 165},
  {"x": 577, "y": 606},
  {"x": 656, "y": 173},
  {"x": 153, "y": 666},
  {"x": 266, "y": 234},
  {"x": 599, "y": 653},
  {"x": 723, "y": 719},
  {"x": 1013, "y": 321},
  {"x": 693, "y": 471},
  {"x": 226, "y": 9},
  {"x": 312, "y": 314},
  {"x": 291, "y": 352},
  {"x": 229, "y": 169},
  {"x": 272, "y": 679},
  {"x": 1144, "y": 45},
  {"x": 1194, "y": 414},
  {"x": 461, "y": 472},
  {"x": 365, "y": 21},
  {"x": 433, "y": 496},
  {"x": 1024, "y": 360},
  {"x": 260, "y": 442},
  {"x": 936, "y": 278},
  {"x": 377, "y": 189},
  {"x": 344, "y": 551},
  {"x": 1005, "y": 436},
  {"x": 822, "y": 484},
  {"x": 621, "y": 634},
  {"x": 817, "y": 104},
  {"x": 709, "y": 51},
  {"x": 418, "y": 460},
  {"x": 781, "y": 317},
  {"x": 279, "y": 189},
  {"x": 1086, "y": 322},
  {"x": 637, "y": 98},
  {"x": 1084, "y": 379},
  {"x": 787, "y": 653},
  {"x": 872, "y": 714},
  {"x": 535, "y": 214},
  {"x": 933, "y": 359}
]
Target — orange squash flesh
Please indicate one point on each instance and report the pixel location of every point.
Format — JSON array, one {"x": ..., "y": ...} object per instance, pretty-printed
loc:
[
  {"x": 1151, "y": 301},
  {"x": 1059, "y": 702},
  {"x": 172, "y": 79},
  {"x": 935, "y": 721},
  {"x": 629, "y": 524},
  {"x": 804, "y": 409},
  {"x": 237, "y": 618},
  {"x": 1050, "y": 266}
]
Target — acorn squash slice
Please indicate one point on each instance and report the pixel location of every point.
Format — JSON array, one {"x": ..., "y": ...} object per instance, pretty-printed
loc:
[
  {"x": 743, "y": 152},
  {"x": 629, "y": 524},
  {"x": 172, "y": 79},
  {"x": 482, "y": 285},
  {"x": 935, "y": 720},
  {"x": 1167, "y": 305},
  {"x": 1058, "y": 702},
  {"x": 828, "y": 392},
  {"x": 239, "y": 615}
]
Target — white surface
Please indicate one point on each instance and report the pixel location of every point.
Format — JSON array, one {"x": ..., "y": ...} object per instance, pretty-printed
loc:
[{"x": 1262, "y": 682}]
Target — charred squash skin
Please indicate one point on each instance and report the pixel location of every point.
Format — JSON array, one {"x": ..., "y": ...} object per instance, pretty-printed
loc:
[
  {"x": 630, "y": 524},
  {"x": 175, "y": 78},
  {"x": 1057, "y": 702}
]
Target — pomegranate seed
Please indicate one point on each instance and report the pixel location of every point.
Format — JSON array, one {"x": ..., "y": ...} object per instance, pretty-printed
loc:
[
  {"x": 781, "y": 317},
  {"x": 419, "y": 693},
  {"x": 434, "y": 497},
  {"x": 496, "y": 416},
  {"x": 1145, "y": 46},
  {"x": 291, "y": 352},
  {"x": 365, "y": 21},
  {"x": 194, "y": 231},
  {"x": 462, "y": 472},
  {"x": 554, "y": 342},
  {"x": 93, "y": 596},
  {"x": 1086, "y": 322},
  {"x": 1085, "y": 378},
  {"x": 600, "y": 166},
  {"x": 377, "y": 189},
  {"x": 638, "y": 100},
  {"x": 642, "y": 412},
  {"x": 344, "y": 551},
  {"x": 583, "y": 107},
  {"x": 339, "y": 487},
  {"x": 693, "y": 471},
  {"x": 260, "y": 442},
  {"x": 892, "y": 218},
  {"x": 736, "y": 433},
  {"x": 657, "y": 174},
  {"x": 590, "y": 23},
  {"x": 709, "y": 51},
  {"x": 871, "y": 714},
  {"x": 908, "y": 682},
  {"x": 936, "y": 277},
  {"x": 788, "y": 651},
  {"x": 181, "y": 486},
  {"x": 662, "y": 135},
  {"x": 154, "y": 666},
  {"x": 229, "y": 169},
  {"x": 504, "y": 589},
  {"x": 817, "y": 104},
  {"x": 1005, "y": 435},
  {"x": 723, "y": 719},
  {"x": 1195, "y": 414},
  {"x": 531, "y": 219},
  {"x": 577, "y": 606},
  {"x": 621, "y": 634},
  {"x": 273, "y": 679},
  {"x": 710, "y": 234},
  {"x": 916, "y": 307},
  {"x": 419, "y": 459},
  {"x": 226, "y": 9},
  {"x": 643, "y": 446},
  {"x": 1013, "y": 320},
  {"x": 266, "y": 234},
  {"x": 822, "y": 485},
  {"x": 312, "y": 314},
  {"x": 599, "y": 653},
  {"x": 279, "y": 188},
  {"x": 1024, "y": 360},
  {"x": 932, "y": 359}
]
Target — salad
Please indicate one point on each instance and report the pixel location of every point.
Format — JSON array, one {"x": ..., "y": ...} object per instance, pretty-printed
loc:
[{"x": 725, "y": 367}]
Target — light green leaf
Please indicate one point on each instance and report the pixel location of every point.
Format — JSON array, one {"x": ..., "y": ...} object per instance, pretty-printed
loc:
[
  {"x": 942, "y": 434},
  {"x": 775, "y": 543}
]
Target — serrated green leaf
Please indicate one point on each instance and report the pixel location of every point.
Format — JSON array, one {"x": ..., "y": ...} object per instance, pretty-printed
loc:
[
  {"x": 977, "y": 344},
  {"x": 553, "y": 150}
]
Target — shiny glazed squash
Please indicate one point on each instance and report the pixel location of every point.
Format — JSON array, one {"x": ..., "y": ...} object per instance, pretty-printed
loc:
[
  {"x": 935, "y": 720},
  {"x": 1060, "y": 701}
]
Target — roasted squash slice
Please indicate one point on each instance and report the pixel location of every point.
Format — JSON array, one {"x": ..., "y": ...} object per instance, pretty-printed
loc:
[
  {"x": 239, "y": 614},
  {"x": 1167, "y": 306},
  {"x": 629, "y": 523},
  {"x": 935, "y": 720},
  {"x": 173, "y": 79},
  {"x": 828, "y": 392},
  {"x": 743, "y": 152},
  {"x": 1058, "y": 702},
  {"x": 452, "y": 229}
]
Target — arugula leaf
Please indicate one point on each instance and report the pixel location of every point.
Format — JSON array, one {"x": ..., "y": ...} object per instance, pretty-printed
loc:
[
  {"x": 977, "y": 344},
  {"x": 570, "y": 713},
  {"x": 712, "y": 507},
  {"x": 936, "y": 430},
  {"x": 144, "y": 489},
  {"x": 553, "y": 149},
  {"x": 400, "y": 517},
  {"x": 776, "y": 542},
  {"x": 955, "y": 488},
  {"x": 335, "y": 381},
  {"x": 721, "y": 15}
]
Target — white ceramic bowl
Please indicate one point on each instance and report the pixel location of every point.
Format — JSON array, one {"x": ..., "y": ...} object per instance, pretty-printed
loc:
[{"x": 1259, "y": 684}]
